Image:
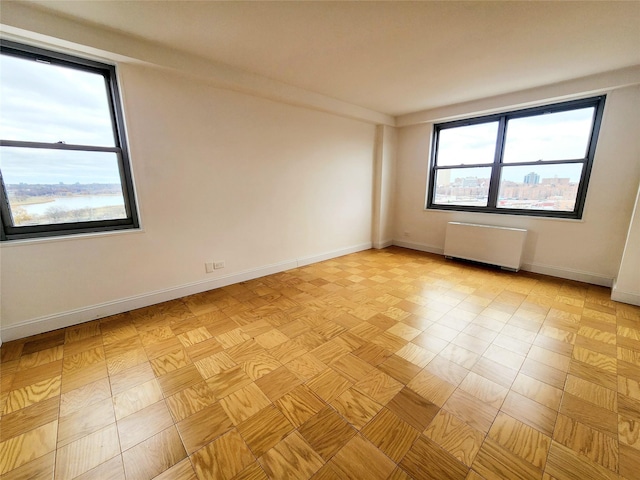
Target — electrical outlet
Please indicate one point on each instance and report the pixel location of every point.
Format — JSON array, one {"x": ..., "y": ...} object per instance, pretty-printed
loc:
[
  {"x": 209, "y": 267},
  {"x": 218, "y": 265}
]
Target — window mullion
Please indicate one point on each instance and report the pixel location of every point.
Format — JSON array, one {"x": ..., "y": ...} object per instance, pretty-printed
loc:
[
  {"x": 4, "y": 209},
  {"x": 58, "y": 146},
  {"x": 471, "y": 165},
  {"x": 494, "y": 183},
  {"x": 539, "y": 163},
  {"x": 588, "y": 165},
  {"x": 125, "y": 181}
]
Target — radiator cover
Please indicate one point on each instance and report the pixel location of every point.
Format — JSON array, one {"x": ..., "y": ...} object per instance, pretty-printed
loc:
[{"x": 500, "y": 246}]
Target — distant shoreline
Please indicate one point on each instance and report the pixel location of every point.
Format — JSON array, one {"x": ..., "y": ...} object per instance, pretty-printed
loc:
[
  {"x": 49, "y": 199},
  {"x": 33, "y": 201}
]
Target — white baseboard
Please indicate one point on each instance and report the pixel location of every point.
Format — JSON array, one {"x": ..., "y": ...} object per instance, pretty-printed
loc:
[
  {"x": 92, "y": 312},
  {"x": 422, "y": 247},
  {"x": 569, "y": 274},
  {"x": 301, "y": 262},
  {"x": 381, "y": 245},
  {"x": 566, "y": 273},
  {"x": 624, "y": 297}
]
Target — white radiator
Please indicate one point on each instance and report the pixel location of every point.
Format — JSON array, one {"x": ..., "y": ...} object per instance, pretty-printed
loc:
[{"x": 483, "y": 243}]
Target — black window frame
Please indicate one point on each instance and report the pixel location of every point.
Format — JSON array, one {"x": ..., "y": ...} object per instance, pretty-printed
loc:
[
  {"x": 597, "y": 102},
  {"x": 8, "y": 231}
]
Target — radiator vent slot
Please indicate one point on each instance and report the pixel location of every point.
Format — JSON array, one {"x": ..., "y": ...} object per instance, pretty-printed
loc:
[{"x": 500, "y": 246}]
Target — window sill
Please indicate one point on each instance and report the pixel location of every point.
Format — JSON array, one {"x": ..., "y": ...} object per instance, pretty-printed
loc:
[
  {"x": 70, "y": 238},
  {"x": 500, "y": 215}
]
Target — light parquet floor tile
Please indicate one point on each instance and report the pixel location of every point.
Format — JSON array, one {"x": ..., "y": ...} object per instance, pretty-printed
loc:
[
  {"x": 244, "y": 403},
  {"x": 204, "y": 426},
  {"x": 264, "y": 430},
  {"x": 85, "y": 421},
  {"x": 472, "y": 410},
  {"x": 143, "y": 424},
  {"x": 489, "y": 392},
  {"x": 356, "y": 407},
  {"x": 564, "y": 463},
  {"x": 360, "y": 459},
  {"x": 136, "y": 398},
  {"x": 21, "y": 449},
  {"x": 629, "y": 463},
  {"x": 585, "y": 412},
  {"x": 190, "y": 400},
  {"x": 495, "y": 461},
  {"x": 524, "y": 441},
  {"x": 530, "y": 412},
  {"x": 394, "y": 446},
  {"x": 432, "y": 387},
  {"x": 327, "y": 432},
  {"x": 112, "y": 469},
  {"x": 41, "y": 468},
  {"x": 388, "y": 364},
  {"x": 538, "y": 391},
  {"x": 86, "y": 453},
  {"x": 26, "y": 419},
  {"x": 413, "y": 408},
  {"x": 292, "y": 458},
  {"x": 586, "y": 441},
  {"x": 223, "y": 458},
  {"x": 299, "y": 405},
  {"x": 85, "y": 396},
  {"x": 455, "y": 436},
  {"x": 154, "y": 455},
  {"x": 426, "y": 460},
  {"x": 32, "y": 394}
]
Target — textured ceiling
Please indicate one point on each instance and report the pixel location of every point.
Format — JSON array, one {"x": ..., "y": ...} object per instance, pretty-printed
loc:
[{"x": 391, "y": 57}]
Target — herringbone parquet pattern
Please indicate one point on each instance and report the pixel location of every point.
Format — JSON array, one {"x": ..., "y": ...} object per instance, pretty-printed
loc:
[{"x": 386, "y": 364}]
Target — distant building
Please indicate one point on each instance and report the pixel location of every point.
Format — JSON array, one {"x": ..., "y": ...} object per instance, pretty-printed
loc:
[
  {"x": 556, "y": 181},
  {"x": 444, "y": 177},
  {"x": 470, "y": 182},
  {"x": 532, "y": 178}
]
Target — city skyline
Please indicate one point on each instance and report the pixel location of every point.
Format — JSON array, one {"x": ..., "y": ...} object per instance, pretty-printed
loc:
[{"x": 515, "y": 173}]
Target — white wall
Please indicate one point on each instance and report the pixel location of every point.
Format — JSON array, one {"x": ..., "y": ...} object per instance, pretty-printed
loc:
[
  {"x": 587, "y": 250},
  {"x": 219, "y": 176},
  {"x": 384, "y": 186},
  {"x": 627, "y": 285}
]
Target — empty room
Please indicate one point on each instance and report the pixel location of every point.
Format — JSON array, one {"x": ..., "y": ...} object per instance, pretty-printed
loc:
[{"x": 319, "y": 240}]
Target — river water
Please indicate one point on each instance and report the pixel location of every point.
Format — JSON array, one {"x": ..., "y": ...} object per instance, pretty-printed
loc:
[{"x": 75, "y": 203}]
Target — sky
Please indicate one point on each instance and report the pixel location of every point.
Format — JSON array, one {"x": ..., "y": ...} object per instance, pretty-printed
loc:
[
  {"x": 555, "y": 136},
  {"x": 46, "y": 103}
]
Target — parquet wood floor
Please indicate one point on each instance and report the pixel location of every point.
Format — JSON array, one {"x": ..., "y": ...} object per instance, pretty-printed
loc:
[{"x": 387, "y": 364}]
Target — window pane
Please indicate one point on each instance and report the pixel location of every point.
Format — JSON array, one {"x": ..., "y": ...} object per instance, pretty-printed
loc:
[
  {"x": 553, "y": 136},
  {"x": 469, "y": 145},
  {"x": 58, "y": 186},
  {"x": 48, "y": 103},
  {"x": 462, "y": 186},
  {"x": 544, "y": 187}
]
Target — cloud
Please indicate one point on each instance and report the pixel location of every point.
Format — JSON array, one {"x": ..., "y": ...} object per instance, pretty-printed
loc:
[
  {"x": 48, "y": 103},
  {"x": 41, "y": 166},
  {"x": 555, "y": 136}
]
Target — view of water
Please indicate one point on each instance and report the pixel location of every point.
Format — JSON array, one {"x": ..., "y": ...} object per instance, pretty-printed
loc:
[{"x": 75, "y": 203}]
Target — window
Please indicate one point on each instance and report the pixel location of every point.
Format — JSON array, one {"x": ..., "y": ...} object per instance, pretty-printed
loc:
[
  {"x": 528, "y": 162},
  {"x": 64, "y": 166}
]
